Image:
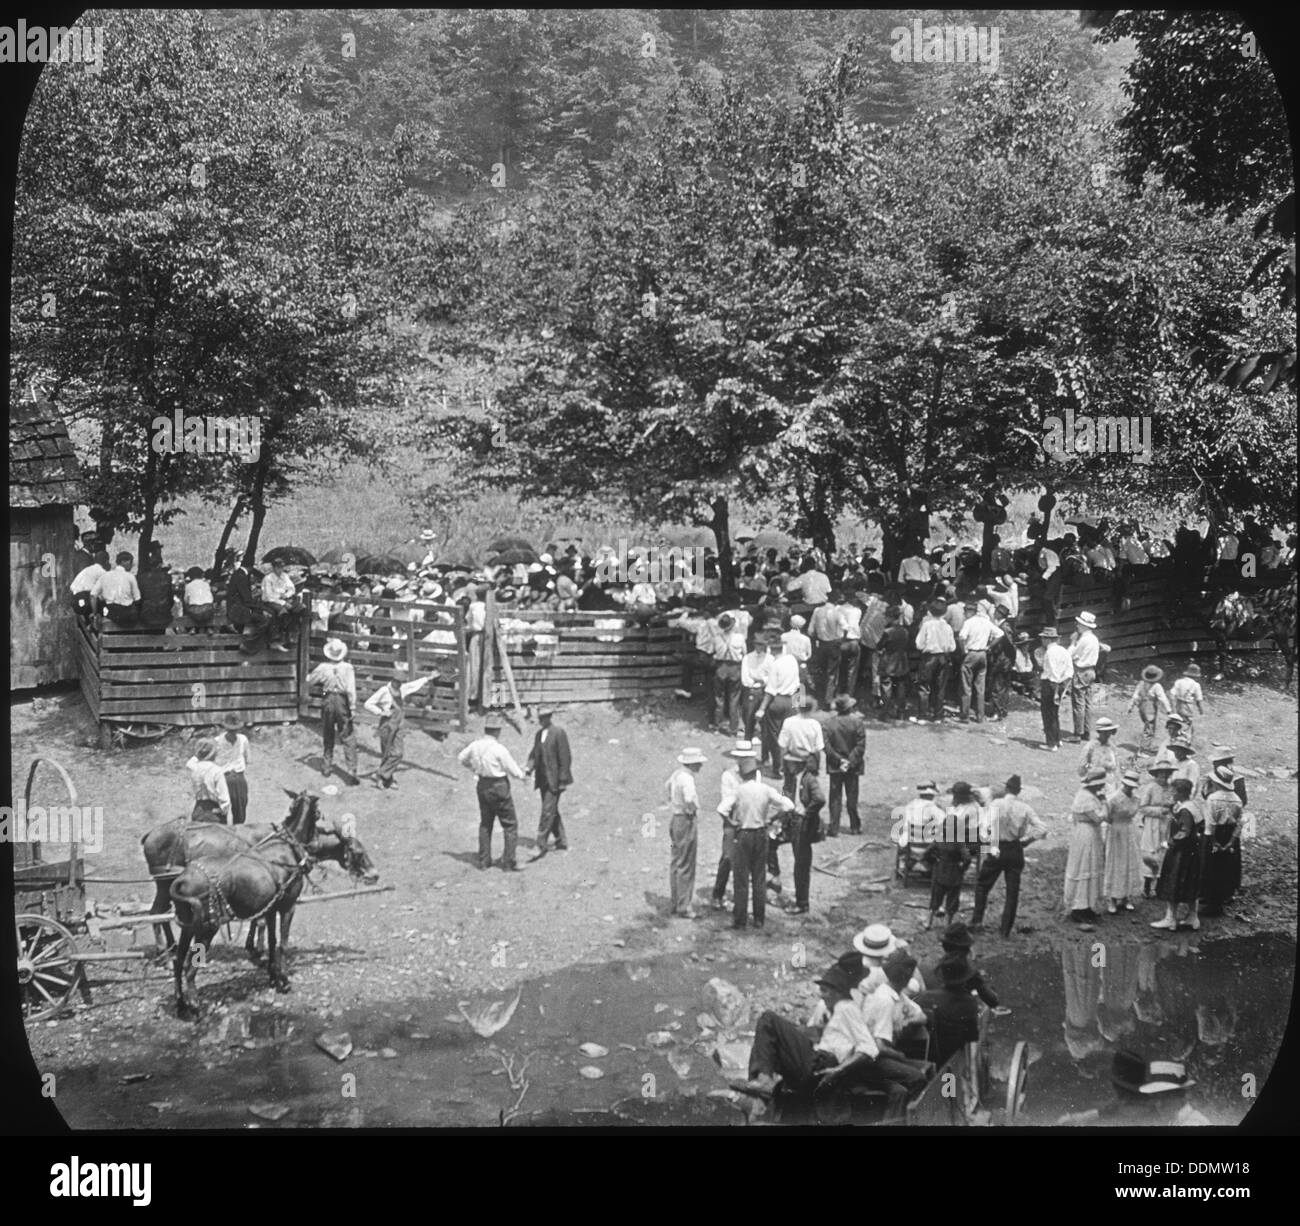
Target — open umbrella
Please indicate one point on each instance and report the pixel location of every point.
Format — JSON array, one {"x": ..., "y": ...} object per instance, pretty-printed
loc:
[
  {"x": 290, "y": 555},
  {"x": 504, "y": 543},
  {"x": 513, "y": 557},
  {"x": 380, "y": 565},
  {"x": 334, "y": 556},
  {"x": 1083, "y": 521}
]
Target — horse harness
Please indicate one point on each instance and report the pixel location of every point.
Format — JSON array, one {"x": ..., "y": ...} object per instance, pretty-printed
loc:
[{"x": 224, "y": 911}]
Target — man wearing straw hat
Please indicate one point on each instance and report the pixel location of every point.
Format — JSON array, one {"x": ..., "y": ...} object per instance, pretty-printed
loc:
[
  {"x": 1085, "y": 651},
  {"x": 685, "y": 803},
  {"x": 493, "y": 764},
  {"x": 729, "y": 782},
  {"x": 338, "y": 682},
  {"x": 211, "y": 796},
  {"x": 1057, "y": 672},
  {"x": 232, "y": 756}
]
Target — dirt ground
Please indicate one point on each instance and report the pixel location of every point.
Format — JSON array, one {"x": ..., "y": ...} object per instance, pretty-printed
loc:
[{"x": 449, "y": 932}]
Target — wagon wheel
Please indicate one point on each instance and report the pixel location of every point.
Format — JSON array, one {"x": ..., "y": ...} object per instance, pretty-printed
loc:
[
  {"x": 48, "y": 971},
  {"x": 1017, "y": 1077}
]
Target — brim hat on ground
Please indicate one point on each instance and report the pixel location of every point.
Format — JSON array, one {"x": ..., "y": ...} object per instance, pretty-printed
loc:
[
  {"x": 691, "y": 756},
  {"x": 875, "y": 941},
  {"x": 335, "y": 650},
  {"x": 1087, "y": 620},
  {"x": 1152, "y": 673},
  {"x": 1048, "y": 632},
  {"x": 1222, "y": 753},
  {"x": 1106, "y": 724},
  {"x": 956, "y": 936}
]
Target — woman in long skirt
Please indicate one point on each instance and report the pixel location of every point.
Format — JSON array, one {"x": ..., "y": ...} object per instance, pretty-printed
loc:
[
  {"x": 1180, "y": 874},
  {"x": 1085, "y": 864},
  {"x": 1122, "y": 879},
  {"x": 1155, "y": 807},
  {"x": 1220, "y": 844},
  {"x": 1100, "y": 754}
]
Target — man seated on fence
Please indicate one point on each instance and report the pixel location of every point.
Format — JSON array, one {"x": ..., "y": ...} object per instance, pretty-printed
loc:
[
  {"x": 211, "y": 794},
  {"x": 197, "y": 600},
  {"x": 84, "y": 582},
  {"x": 798, "y": 1057},
  {"x": 277, "y": 595},
  {"x": 119, "y": 593}
]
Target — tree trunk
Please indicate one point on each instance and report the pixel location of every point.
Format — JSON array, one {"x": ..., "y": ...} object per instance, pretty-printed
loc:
[
  {"x": 986, "y": 550},
  {"x": 231, "y": 520},
  {"x": 721, "y": 525},
  {"x": 258, "y": 502},
  {"x": 149, "y": 495}
]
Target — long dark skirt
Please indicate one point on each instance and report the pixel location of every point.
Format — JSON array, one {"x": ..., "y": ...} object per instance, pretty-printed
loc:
[
  {"x": 1220, "y": 866},
  {"x": 1180, "y": 874}
]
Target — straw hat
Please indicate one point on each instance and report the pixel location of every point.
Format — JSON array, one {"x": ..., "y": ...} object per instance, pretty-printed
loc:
[
  {"x": 1087, "y": 620},
  {"x": 1048, "y": 632},
  {"x": 1094, "y": 779},
  {"x": 1130, "y": 779},
  {"x": 1222, "y": 753},
  {"x": 875, "y": 941},
  {"x": 1152, "y": 673},
  {"x": 692, "y": 756},
  {"x": 928, "y": 788},
  {"x": 742, "y": 749},
  {"x": 1106, "y": 724}
]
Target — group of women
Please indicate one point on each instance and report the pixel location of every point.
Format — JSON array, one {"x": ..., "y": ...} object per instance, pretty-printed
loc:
[{"x": 1178, "y": 837}]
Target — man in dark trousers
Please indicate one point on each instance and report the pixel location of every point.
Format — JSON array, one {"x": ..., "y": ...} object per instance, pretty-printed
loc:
[
  {"x": 951, "y": 1009},
  {"x": 1013, "y": 826},
  {"x": 244, "y": 610},
  {"x": 493, "y": 764},
  {"x": 846, "y": 750},
  {"x": 549, "y": 762},
  {"x": 805, "y": 830}
]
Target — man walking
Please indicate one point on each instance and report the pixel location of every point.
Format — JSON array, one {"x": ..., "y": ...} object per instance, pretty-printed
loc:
[
  {"x": 728, "y": 652},
  {"x": 935, "y": 642},
  {"x": 976, "y": 633},
  {"x": 755, "y": 806},
  {"x": 549, "y": 762},
  {"x": 685, "y": 804},
  {"x": 338, "y": 684},
  {"x": 845, "y": 734},
  {"x": 389, "y": 703},
  {"x": 1012, "y": 826},
  {"x": 1057, "y": 670},
  {"x": 1084, "y": 653},
  {"x": 493, "y": 764},
  {"x": 780, "y": 692},
  {"x": 232, "y": 757}
]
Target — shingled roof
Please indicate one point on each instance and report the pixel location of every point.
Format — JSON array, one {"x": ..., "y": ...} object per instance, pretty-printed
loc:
[{"x": 43, "y": 468}]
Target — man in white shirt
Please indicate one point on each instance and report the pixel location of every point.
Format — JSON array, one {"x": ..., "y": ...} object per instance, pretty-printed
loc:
[
  {"x": 895, "y": 1020},
  {"x": 83, "y": 584},
  {"x": 277, "y": 595},
  {"x": 1057, "y": 673},
  {"x": 1052, "y": 577},
  {"x": 119, "y": 592},
  {"x": 231, "y": 756},
  {"x": 338, "y": 682},
  {"x": 753, "y": 809},
  {"x": 389, "y": 703},
  {"x": 698, "y": 660},
  {"x": 211, "y": 796},
  {"x": 935, "y": 642},
  {"x": 728, "y": 784},
  {"x": 493, "y": 764},
  {"x": 850, "y": 644},
  {"x": 800, "y": 735},
  {"x": 780, "y": 693},
  {"x": 754, "y": 668},
  {"x": 976, "y": 633},
  {"x": 813, "y": 585},
  {"x": 799, "y": 647},
  {"x": 800, "y": 1057},
  {"x": 728, "y": 655},
  {"x": 684, "y": 801},
  {"x": 1085, "y": 651}
]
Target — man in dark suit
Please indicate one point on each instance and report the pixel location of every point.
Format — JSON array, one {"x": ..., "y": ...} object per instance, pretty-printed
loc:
[
  {"x": 846, "y": 749},
  {"x": 549, "y": 762},
  {"x": 244, "y": 610},
  {"x": 951, "y": 1010}
]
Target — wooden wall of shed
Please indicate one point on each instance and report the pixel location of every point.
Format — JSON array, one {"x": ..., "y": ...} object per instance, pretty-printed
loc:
[{"x": 42, "y": 624}]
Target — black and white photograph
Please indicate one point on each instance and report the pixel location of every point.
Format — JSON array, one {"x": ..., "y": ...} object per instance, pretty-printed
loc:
[{"x": 673, "y": 569}]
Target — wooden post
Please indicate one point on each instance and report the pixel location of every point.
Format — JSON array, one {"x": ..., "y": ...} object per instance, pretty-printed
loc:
[
  {"x": 304, "y": 661},
  {"x": 462, "y": 670},
  {"x": 487, "y": 653}
]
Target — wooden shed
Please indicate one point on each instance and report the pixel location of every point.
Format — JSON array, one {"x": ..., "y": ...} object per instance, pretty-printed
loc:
[{"x": 44, "y": 485}]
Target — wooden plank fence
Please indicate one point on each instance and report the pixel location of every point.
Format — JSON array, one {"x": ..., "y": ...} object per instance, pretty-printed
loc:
[
  {"x": 390, "y": 638},
  {"x": 181, "y": 679}
]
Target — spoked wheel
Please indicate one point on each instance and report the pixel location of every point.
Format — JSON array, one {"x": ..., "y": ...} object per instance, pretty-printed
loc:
[
  {"x": 48, "y": 972},
  {"x": 1017, "y": 1079}
]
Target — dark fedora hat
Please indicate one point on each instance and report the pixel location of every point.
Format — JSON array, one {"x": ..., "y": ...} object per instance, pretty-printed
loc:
[
  {"x": 837, "y": 978},
  {"x": 956, "y": 936},
  {"x": 955, "y": 971}
]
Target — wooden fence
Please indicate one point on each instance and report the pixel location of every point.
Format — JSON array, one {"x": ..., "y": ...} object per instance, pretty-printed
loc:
[
  {"x": 391, "y": 639},
  {"x": 582, "y": 657},
  {"x": 128, "y": 677}
]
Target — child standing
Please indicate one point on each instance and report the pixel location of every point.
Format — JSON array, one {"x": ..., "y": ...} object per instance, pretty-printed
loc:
[
  {"x": 1149, "y": 698},
  {"x": 1187, "y": 697}
]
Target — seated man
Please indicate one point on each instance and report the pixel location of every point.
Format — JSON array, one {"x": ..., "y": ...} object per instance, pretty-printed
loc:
[
  {"x": 951, "y": 1008},
  {"x": 798, "y": 1056},
  {"x": 897, "y": 1024}
]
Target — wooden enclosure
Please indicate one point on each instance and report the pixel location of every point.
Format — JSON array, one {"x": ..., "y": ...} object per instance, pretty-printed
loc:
[
  {"x": 182, "y": 679},
  {"x": 393, "y": 641}
]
